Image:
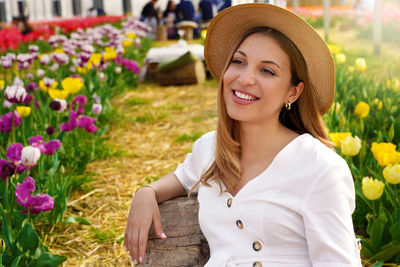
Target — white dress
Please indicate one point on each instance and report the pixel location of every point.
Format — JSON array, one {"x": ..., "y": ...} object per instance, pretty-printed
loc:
[{"x": 297, "y": 212}]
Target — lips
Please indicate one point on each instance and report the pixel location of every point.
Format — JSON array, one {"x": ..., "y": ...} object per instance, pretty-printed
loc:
[{"x": 242, "y": 98}]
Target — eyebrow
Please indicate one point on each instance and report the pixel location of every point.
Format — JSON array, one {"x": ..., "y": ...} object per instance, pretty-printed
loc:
[{"x": 264, "y": 61}]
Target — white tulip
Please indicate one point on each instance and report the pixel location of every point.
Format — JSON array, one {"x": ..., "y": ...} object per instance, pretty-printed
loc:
[{"x": 30, "y": 155}]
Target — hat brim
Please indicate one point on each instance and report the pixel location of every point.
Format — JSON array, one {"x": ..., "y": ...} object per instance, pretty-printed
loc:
[{"x": 229, "y": 26}]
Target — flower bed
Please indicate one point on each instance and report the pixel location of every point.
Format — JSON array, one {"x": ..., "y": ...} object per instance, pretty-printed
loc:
[{"x": 54, "y": 110}]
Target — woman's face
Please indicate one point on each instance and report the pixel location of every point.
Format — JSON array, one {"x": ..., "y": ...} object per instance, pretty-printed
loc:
[{"x": 256, "y": 84}]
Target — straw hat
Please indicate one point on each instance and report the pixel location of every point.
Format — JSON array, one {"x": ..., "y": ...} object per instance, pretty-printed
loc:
[{"x": 229, "y": 26}]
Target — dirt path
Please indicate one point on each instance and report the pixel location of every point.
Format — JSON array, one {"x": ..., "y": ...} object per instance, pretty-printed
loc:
[{"x": 156, "y": 128}]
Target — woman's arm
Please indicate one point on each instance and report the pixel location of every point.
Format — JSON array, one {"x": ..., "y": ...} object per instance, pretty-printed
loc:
[{"x": 144, "y": 211}]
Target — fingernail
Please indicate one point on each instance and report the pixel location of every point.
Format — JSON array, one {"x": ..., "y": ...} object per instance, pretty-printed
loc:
[
  {"x": 131, "y": 258},
  {"x": 140, "y": 259},
  {"x": 126, "y": 248},
  {"x": 135, "y": 262},
  {"x": 163, "y": 235}
]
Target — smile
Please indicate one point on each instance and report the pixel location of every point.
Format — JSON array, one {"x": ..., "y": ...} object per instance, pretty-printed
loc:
[{"x": 244, "y": 96}]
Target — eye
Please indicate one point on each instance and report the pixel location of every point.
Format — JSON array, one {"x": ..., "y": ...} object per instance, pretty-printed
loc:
[
  {"x": 237, "y": 61},
  {"x": 268, "y": 71}
]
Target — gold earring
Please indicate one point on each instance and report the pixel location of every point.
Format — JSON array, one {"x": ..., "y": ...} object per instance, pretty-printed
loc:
[{"x": 288, "y": 106}]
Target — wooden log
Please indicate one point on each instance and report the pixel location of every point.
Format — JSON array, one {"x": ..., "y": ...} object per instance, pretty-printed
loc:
[{"x": 185, "y": 245}]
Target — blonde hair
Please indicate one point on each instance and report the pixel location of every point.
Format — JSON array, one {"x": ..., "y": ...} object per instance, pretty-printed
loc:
[{"x": 303, "y": 117}]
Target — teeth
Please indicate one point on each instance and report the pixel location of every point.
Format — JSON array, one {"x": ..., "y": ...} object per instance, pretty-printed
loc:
[{"x": 244, "y": 96}]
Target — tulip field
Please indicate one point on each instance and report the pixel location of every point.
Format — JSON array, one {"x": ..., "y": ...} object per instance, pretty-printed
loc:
[{"x": 79, "y": 134}]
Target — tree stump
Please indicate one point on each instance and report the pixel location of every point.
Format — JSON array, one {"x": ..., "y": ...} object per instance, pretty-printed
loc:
[{"x": 185, "y": 244}]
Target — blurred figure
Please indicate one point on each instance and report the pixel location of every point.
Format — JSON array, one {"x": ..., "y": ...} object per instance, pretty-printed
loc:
[
  {"x": 222, "y": 4},
  {"x": 185, "y": 10},
  {"x": 21, "y": 22},
  {"x": 149, "y": 15},
  {"x": 206, "y": 11},
  {"x": 169, "y": 16},
  {"x": 94, "y": 12}
]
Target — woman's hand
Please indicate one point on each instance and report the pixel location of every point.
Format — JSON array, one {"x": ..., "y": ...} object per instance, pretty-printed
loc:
[{"x": 144, "y": 211}]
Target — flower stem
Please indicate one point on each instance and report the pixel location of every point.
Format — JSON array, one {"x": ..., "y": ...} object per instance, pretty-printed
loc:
[
  {"x": 28, "y": 213},
  {"x": 395, "y": 202},
  {"x": 7, "y": 203}
]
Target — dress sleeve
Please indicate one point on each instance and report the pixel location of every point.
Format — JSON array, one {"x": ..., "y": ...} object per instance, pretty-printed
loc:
[
  {"x": 327, "y": 210},
  {"x": 197, "y": 162}
]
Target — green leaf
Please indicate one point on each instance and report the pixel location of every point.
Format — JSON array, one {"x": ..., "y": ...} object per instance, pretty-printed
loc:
[
  {"x": 76, "y": 220},
  {"x": 366, "y": 249},
  {"x": 388, "y": 251},
  {"x": 48, "y": 260},
  {"x": 395, "y": 231},
  {"x": 27, "y": 238},
  {"x": 391, "y": 133},
  {"x": 376, "y": 231},
  {"x": 5, "y": 228}
]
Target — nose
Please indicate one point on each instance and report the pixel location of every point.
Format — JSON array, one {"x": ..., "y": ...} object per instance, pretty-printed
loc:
[{"x": 247, "y": 77}]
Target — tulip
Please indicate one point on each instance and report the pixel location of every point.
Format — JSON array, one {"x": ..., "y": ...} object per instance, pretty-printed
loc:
[
  {"x": 35, "y": 204},
  {"x": 117, "y": 69},
  {"x": 350, "y": 146},
  {"x": 337, "y": 138},
  {"x": 2, "y": 84},
  {"x": 11, "y": 119},
  {"x": 58, "y": 105},
  {"x": 33, "y": 48},
  {"x": 372, "y": 188},
  {"x": 360, "y": 65},
  {"x": 45, "y": 148},
  {"x": 32, "y": 86},
  {"x": 81, "y": 100},
  {"x": 50, "y": 130},
  {"x": 385, "y": 153},
  {"x": 2, "y": 246},
  {"x": 340, "y": 58},
  {"x": 393, "y": 84},
  {"x": 47, "y": 84},
  {"x": 59, "y": 94},
  {"x": 72, "y": 84},
  {"x": 7, "y": 169},
  {"x": 30, "y": 155},
  {"x": 392, "y": 174},
  {"x": 87, "y": 124},
  {"x": 24, "y": 111},
  {"x": 96, "y": 108},
  {"x": 361, "y": 110},
  {"x": 15, "y": 94},
  {"x": 378, "y": 103},
  {"x": 7, "y": 104},
  {"x": 54, "y": 67},
  {"x": 131, "y": 35},
  {"x": 40, "y": 73},
  {"x": 334, "y": 49},
  {"x": 44, "y": 59}
]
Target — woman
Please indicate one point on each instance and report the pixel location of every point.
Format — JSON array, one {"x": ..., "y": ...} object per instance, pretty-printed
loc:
[{"x": 271, "y": 190}]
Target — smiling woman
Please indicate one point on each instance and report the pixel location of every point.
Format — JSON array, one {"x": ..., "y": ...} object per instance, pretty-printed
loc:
[{"x": 271, "y": 190}]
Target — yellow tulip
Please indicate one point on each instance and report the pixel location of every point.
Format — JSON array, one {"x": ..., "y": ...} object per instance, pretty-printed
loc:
[
  {"x": 337, "y": 138},
  {"x": 350, "y": 146},
  {"x": 372, "y": 188},
  {"x": 361, "y": 110},
  {"x": 393, "y": 84},
  {"x": 385, "y": 153},
  {"x": 59, "y": 50},
  {"x": 24, "y": 111},
  {"x": 94, "y": 60},
  {"x": 1, "y": 84},
  {"x": 127, "y": 43},
  {"x": 59, "y": 94},
  {"x": 45, "y": 88},
  {"x": 340, "y": 58},
  {"x": 72, "y": 84},
  {"x": 334, "y": 49},
  {"x": 378, "y": 103},
  {"x": 360, "y": 64},
  {"x": 351, "y": 69},
  {"x": 392, "y": 174},
  {"x": 109, "y": 53},
  {"x": 131, "y": 35},
  {"x": 82, "y": 70}
]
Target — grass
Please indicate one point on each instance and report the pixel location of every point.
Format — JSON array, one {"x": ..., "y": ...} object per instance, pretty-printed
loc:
[
  {"x": 149, "y": 117},
  {"x": 138, "y": 101},
  {"x": 189, "y": 137}
]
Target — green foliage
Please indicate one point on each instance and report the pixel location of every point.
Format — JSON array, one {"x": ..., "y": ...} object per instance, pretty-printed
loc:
[{"x": 189, "y": 137}]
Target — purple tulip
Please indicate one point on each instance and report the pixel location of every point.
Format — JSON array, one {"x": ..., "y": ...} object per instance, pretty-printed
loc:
[
  {"x": 36, "y": 204},
  {"x": 14, "y": 152},
  {"x": 45, "y": 148},
  {"x": 6, "y": 169},
  {"x": 7, "y": 120},
  {"x": 96, "y": 108},
  {"x": 81, "y": 100},
  {"x": 87, "y": 124},
  {"x": 7, "y": 104},
  {"x": 71, "y": 124},
  {"x": 32, "y": 86},
  {"x": 96, "y": 98},
  {"x": 33, "y": 48},
  {"x": 45, "y": 59},
  {"x": 50, "y": 130}
]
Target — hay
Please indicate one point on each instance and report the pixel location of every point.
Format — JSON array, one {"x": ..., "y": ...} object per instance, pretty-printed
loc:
[{"x": 149, "y": 150}]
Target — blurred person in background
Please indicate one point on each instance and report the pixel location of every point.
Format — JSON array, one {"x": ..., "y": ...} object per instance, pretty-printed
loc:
[
  {"x": 185, "y": 10},
  {"x": 169, "y": 16},
  {"x": 149, "y": 16},
  {"x": 21, "y": 22}
]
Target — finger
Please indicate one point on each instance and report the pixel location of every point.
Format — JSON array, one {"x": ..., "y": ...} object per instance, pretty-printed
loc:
[
  {"x": 143, "y": 236},
  {"x": 158, "y": 226},
  {"x": 133, "y": 245}
]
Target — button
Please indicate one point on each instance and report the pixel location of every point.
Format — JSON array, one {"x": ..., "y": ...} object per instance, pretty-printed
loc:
[
  {"x": 229, "y": 202},
  {"x": 239, "y": 224},
  {"x": 257, "y": 264},
  {"x": 257, "y": 246}
]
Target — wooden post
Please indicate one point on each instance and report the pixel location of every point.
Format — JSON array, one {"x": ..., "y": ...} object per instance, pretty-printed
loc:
[
  {"x": 185, "y": 244},
  {"x": 326, "y": 19},
  {"x": 377, "y": 32}
]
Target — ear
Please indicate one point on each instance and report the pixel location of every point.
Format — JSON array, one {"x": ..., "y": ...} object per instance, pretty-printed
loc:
[{"x": 295, "y": 92}]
